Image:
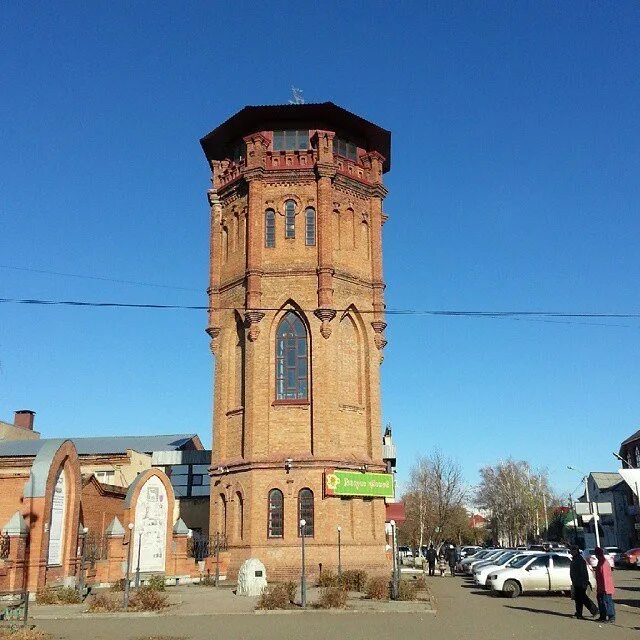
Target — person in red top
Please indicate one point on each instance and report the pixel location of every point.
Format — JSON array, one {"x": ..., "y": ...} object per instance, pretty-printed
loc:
[{"x": 604, "y": 588}]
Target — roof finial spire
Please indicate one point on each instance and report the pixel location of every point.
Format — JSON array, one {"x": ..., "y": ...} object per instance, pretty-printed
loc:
[{"x": 296, "y": 96}]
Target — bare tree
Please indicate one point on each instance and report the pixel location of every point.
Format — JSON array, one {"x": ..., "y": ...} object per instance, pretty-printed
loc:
[
  {"x": 516, "y": 498},
  {"x": 435, "y": 496}
]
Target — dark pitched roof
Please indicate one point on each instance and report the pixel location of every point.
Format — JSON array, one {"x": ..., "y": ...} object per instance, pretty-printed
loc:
[
  {"x": 322, "y": 115},
  {"x": 103, "y": 445},
  {"x": 635, "y": 436},
  {"x": 606, "y": 480}
]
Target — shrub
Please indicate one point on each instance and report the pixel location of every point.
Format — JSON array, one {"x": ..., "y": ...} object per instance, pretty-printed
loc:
[
  {"x": 407, "y": 590},
  {"x": 378, "y": 588},
  {"x": 47, "y": 596},
  {"x": 207, "y": 581},
  {"x": 354, "y": 580},
  {"x": 148, "y": 599},
  {"x": 328, "y": 579},
  {"x": 68, "y": 595},
  {"x": 104, "y": 602},
  {"x": 278, "y": 596},
  {"x": 64, "y": 595},
  {"x": 332, "y": 598},
  {"x": 156, "y": 582},
  {"x": 118, "y": 585}
]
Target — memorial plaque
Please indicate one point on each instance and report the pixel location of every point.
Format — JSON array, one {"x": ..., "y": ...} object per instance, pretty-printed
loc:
[
  {"x": 150, "y": 531},
  {"x": 56, "y": 521}
]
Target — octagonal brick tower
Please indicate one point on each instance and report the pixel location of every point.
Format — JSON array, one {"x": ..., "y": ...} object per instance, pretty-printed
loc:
[{"x": 296, "y": 323}]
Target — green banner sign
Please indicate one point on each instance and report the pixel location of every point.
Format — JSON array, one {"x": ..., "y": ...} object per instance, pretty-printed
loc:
[{"x": 354, "y": 483}]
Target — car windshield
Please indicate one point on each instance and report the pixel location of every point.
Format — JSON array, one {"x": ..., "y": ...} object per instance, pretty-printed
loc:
[
  {"x": 520, "y": 562},
  {"x": 504, "y": 559}
]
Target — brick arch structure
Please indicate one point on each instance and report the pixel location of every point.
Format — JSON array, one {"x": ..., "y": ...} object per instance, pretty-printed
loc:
[
  {"x": 131, "y": 503},
  {"x": 55, "y": 457}
]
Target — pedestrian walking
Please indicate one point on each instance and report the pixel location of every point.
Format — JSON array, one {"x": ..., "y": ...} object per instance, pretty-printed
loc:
[
  {"x": 442, "y": 562},
  {"x": 431, "y": 560},
  {"x": 604, "y": 588},
  {"x": 580, "y": 583},
  {"x": 451, "y": 559}
]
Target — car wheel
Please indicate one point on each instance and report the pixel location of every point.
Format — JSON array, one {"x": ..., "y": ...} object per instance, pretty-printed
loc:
[{"x": 511, "y": 589}]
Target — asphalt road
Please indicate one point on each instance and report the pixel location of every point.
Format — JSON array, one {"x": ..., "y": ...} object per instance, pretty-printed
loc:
[{"x": 464, "y": 613}]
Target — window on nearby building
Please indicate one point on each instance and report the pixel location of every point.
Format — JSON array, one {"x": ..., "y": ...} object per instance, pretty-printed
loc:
[
  {"x": 291, "y": 359},
  {"x": 223, "y": 514},
  {"x": 291, "y": 140},
  {"x": 189, "y": 480},
  {"x": 107, "y": 477},
  {"x": 275, "y": 528},
  {"x": 269, "y": 228},
  {"x": 289, "y": 219},
  {"x": 310, "y": 227},
  {"x": 345, "y": 149},
  {"x": 238, "y": 151},
  {"x": 305, "y": 511},
  {"x": 637, "y": 457}
]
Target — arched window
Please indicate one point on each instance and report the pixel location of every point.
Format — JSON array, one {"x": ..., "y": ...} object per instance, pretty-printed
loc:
[
  {"x": 289, "y": 219},
  {"x": 310, "y": 227},
  {"x": 275, "y": 526},
  {"x": 269, "y": 228},
  {"x": 240, "y": 504},
  {"x": 223, "y": 514},
  {"x": 225, "y": 244},
  {"x": 291, "y": 359},
  {"x": 305, "y": 511},
  {"x": 637, "y": 457}
]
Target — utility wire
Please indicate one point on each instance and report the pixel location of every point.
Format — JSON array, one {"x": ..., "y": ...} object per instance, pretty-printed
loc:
[
  {"x": 101, "y": 278},
  {"x": 546, "y": 316}
]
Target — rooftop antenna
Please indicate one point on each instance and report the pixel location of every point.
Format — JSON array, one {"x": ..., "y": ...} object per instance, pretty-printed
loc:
[{"x": 296, "y": 96}]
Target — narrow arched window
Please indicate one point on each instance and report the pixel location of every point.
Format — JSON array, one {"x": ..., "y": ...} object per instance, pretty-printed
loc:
[
  {"x": 240, "y": 503},
  {"x": 289, "y": 219},
  {"x": 275, "y": 526},
  {"x": 637, "y": 457},
  {"x": 269, "y": 228},
  {"x": 291, "y": 359},
  {"x": 310, "y": 227},
  {"x": 223, "y": 515},
  {"x": 305, "y": 511}
]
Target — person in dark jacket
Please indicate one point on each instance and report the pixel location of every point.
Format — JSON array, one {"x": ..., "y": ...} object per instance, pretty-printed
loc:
[
  {"x": 451, "y": 558},
  {"x": 431, "y": 560},
  {"x": 580, "y": 582}
]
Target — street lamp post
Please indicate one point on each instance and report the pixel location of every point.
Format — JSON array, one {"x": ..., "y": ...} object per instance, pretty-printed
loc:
[
  {"x": 83, "y": 555},
  {"x": 303, "y": 580},
  {"x": 396, "y": 572},
  {"x": 595, "y": 504},
  {"x": 339, "y": 554},
  {"x": 137, "y": 582},
  {"x": 128, "y": 568}
]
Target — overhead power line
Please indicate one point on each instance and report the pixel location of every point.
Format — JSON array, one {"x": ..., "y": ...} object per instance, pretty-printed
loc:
[
  {"x": 100, "y": 278},
  {"x": 517, "y": 315}
]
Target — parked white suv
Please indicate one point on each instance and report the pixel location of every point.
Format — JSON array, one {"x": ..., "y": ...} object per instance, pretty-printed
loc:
[{"x": 543, "y": 573}]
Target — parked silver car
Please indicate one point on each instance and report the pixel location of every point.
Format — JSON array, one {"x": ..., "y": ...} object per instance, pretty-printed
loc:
[{"x": 543, "y": 573}]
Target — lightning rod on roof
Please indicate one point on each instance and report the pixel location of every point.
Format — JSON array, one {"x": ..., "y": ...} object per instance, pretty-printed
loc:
[{"x": 296, "y": 96}]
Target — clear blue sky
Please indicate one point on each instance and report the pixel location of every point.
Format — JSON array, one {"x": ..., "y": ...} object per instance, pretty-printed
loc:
[{"x": 515, "y": 185}]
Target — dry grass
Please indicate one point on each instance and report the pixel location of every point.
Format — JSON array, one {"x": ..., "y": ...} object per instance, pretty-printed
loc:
[
  {"x": 378, "y": 588},
  {"x": 278, "y": 596},
  {"x": 421, "y": 583},
  {"x": 23, "y": 633}
]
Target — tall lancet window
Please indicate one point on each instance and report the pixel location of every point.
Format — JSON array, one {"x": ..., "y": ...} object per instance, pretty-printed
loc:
[{"x": 291, "y": 359}]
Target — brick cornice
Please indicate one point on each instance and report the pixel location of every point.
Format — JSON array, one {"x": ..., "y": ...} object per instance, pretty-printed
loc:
[{"x": 325, "y": 170}]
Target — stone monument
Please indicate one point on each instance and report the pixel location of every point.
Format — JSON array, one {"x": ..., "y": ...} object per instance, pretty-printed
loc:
[{"x": 252, "y": 578}]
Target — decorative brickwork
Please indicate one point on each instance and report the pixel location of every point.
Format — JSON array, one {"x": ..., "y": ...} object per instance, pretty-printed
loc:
[{"x": 285, "y": 412}]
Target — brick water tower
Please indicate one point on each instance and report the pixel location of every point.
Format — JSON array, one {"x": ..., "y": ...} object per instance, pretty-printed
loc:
[{"x": 297, "y": 325}]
